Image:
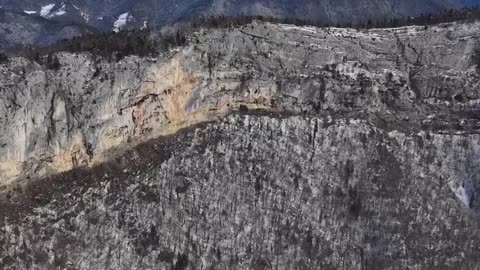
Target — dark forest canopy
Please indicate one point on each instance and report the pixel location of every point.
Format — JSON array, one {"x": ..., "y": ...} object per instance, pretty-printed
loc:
[
  {"x": 150, "y": 42},
  {"x": 465, "y": 14}
]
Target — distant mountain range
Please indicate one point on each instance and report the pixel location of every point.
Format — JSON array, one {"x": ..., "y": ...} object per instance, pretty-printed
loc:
[
  {"x": 19, "y": 28},
  {"x": 43, "y": 21}
]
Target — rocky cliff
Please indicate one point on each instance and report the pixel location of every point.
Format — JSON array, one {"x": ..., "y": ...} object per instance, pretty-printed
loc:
[{"x": 259, "y": 147}]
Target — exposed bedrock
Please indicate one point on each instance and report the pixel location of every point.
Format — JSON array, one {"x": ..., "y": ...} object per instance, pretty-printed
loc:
[{"x": 259, "y": 147}]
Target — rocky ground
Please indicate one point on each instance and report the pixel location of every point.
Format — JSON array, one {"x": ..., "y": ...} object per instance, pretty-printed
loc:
[{"x": 259, "y": 147}]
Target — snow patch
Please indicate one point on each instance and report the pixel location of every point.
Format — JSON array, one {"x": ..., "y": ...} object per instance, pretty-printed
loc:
[
  {"x": 353, "y": 33},
  {"x": 351, "y": 70},
  {"x": 61, "y": 11},
  {"x": 30, "y": 12},
  {"x": 120, "y": 22},
  {"x": 144, "y": 25},
  {"x": 45, "y": 10},
  {"x": 85, "y": 16},
  {"x": 462, "y": 194},
  {"x": 308, "y": 29}
]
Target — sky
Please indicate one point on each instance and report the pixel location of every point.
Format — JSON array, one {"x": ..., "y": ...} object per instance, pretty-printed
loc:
[{"x": 472, "y": 2}]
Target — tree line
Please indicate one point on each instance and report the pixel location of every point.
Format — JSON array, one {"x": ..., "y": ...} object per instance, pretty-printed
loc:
[
  {"x": 112, "y": 46},
  {"x": 150, "y": 42},
  {"x": 424, "y": 19}
]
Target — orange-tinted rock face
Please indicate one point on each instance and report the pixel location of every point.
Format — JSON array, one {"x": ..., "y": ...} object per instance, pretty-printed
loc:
[{"x": 59, "y": 120}]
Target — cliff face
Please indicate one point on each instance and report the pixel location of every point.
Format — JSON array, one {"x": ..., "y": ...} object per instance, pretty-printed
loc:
[{"x": 264, "y": 146}]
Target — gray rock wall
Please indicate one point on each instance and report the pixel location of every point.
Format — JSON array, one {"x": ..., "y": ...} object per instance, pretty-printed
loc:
[{"x": 58, "y": 120}]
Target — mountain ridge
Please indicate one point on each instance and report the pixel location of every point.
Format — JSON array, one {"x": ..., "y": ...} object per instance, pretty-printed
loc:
[
  {"x": 107, "y": 15},
  {"x": 20, "y": 29}
]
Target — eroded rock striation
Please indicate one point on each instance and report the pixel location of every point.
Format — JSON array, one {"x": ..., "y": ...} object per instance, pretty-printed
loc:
[{"x": 265, "y": 146}]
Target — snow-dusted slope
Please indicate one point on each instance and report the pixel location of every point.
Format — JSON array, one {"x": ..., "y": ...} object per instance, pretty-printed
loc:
[
  {"x": 46, "y": 10},
  {"x": 22, "y": 28}
]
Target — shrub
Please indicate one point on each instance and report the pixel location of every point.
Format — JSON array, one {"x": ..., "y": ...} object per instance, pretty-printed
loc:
[
  {"x": 476, "y": 58},
  {"x": 3, "y": 58}
]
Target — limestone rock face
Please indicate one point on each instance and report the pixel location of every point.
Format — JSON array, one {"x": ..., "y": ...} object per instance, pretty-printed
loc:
[{"x": 260, "y": 147}]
